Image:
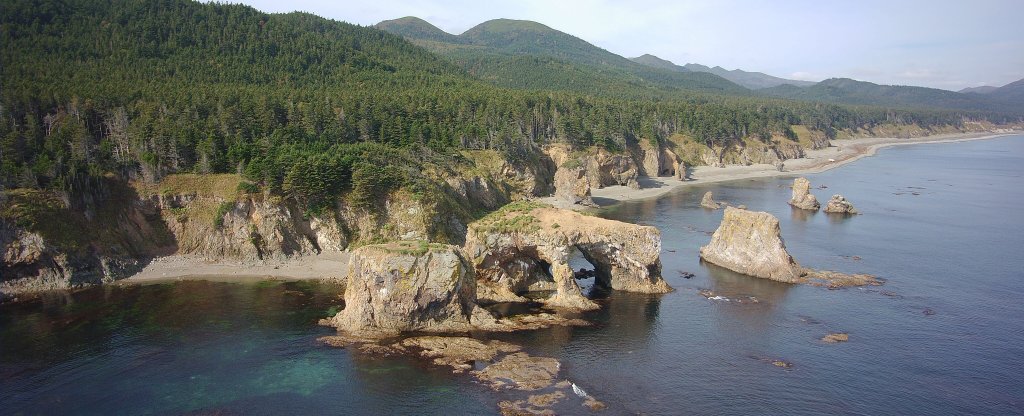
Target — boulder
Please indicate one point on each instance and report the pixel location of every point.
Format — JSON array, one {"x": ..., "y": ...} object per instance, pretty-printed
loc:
[
  {"x": 572, "y": 185},
  {"x": 839, "y": 205},
  {"x": 526, "y": 247},
  {"x": 802, "y": 197},
  {"x": 750, "y": 242},
  {"x": 709, "y": 202},
  {"x": 407, "y": 286}
]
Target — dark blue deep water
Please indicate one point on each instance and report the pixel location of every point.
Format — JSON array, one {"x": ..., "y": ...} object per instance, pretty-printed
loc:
[{"x": 943, "y": 224}]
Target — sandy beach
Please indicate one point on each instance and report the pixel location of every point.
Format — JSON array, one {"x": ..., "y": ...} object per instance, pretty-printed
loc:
[
  {"x": 840, "y": 153},
  {"x": 331, "y": 266},
  {"x": 324, "y": 266}
]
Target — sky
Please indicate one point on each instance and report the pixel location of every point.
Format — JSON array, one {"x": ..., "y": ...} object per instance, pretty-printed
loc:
[{"x": 948, "y": 44}]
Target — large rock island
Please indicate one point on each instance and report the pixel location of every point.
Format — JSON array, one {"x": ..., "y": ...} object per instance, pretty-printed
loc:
[
  {"x": 750, "y": 243},
  {"x": 526, "y": 247},
  {"x": 408, "y": 286}
]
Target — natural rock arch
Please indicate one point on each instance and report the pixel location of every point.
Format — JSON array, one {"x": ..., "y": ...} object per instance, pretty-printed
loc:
[{"x": 515, "y": 251}]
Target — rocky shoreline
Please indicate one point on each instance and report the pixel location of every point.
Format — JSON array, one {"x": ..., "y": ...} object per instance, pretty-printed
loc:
[{"x": 813, "y": 161}]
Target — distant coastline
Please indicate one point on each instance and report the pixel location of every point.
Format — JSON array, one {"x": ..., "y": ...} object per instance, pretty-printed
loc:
[{"x": 840, "y": 153}]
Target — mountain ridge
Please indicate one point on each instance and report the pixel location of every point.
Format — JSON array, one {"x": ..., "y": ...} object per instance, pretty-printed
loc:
[
  {"x": 751, "y": 80},
  {"x": 502, "y": 50}
]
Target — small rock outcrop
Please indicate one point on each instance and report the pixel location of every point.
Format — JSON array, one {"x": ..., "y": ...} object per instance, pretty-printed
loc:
[
  {"x": 407, "y": 286},
  {"x": 802, "y": 197},
  {"x": 750, "y": 243},
  {"x": 526, "y": 247},
  {"x": 682, "y": 171},
  {"x": 708, "y": 201},
  {"x": 839, "y": 205},
  {"x": 835, "y": 338},
  {"x": 572, "y": 185}
]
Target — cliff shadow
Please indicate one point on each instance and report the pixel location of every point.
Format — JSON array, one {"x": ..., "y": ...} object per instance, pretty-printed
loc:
[{"x": 102, "y": 231}]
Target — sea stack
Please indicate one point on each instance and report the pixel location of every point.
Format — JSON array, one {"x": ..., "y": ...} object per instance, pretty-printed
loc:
[
  {"x": 802, "y": 197},
  {"x": 407, "y": 286},
  {"x": 750, "y": 242},
  {"x": 708, "y": 201},
  {"x": 839, "y": 205}
]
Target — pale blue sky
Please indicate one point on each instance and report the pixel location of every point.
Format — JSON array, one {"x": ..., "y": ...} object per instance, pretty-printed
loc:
[{"x": 941, "y": 44}]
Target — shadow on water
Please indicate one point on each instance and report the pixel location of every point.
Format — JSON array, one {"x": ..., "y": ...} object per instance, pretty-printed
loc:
[
  {"x": 729, "y": 283},
  {"x": 797, "y": 214},
  {"x": 839, "y": 218}
]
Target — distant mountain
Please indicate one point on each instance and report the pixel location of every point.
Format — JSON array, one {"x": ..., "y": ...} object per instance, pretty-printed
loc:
[
  {"x": 526, "y": 54},
  {"x": 1012, "y": 93},
  {"x": 984, "y": 89},
  {"x": 848, "y": 91},
  {"x": 656, "y": 62},
  {"x": 752, "y": 80},
  {"x": 416, "y": 28}
]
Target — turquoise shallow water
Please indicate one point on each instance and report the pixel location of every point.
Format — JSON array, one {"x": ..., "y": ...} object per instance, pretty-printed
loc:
[{"x": 942, "y": 223}]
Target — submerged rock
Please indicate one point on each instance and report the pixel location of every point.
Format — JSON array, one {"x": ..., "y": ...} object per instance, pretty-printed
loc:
[
  {"x": 750, "y": 242},
  {"x": 802, "y": 197},
  {"x": 458, "y": 352},
  {"x": 835, "y": 338},
  {"x": 520, "y": 371},
  {"x": 839, "y": 205},
  {"x": 407, "y": 286},
  {"x": 708, "y": 201},
  {"x": 526, "y": 248}
]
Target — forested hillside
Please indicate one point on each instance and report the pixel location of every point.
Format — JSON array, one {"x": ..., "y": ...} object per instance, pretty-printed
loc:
[
  {"x": 308, "y": 106},
  {"x": 848, "y": 91},
  {"x": 528, "y": 55}
]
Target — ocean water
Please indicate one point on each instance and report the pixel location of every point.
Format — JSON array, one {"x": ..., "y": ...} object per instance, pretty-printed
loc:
[{"x": 943, "y": 224}]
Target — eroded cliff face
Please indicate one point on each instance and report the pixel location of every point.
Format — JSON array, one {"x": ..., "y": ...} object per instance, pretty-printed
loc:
[
  {"x": 45, "y": 245},
  {"x": 526, "y": 248},
  {"x": 208, "y": 218}
]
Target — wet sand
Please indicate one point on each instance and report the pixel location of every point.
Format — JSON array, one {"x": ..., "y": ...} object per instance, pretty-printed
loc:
[{"x": 324, "y": 266}]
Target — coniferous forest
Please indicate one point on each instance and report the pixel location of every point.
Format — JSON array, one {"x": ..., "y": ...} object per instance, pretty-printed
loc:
[{"x": 138, "y": 89}]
